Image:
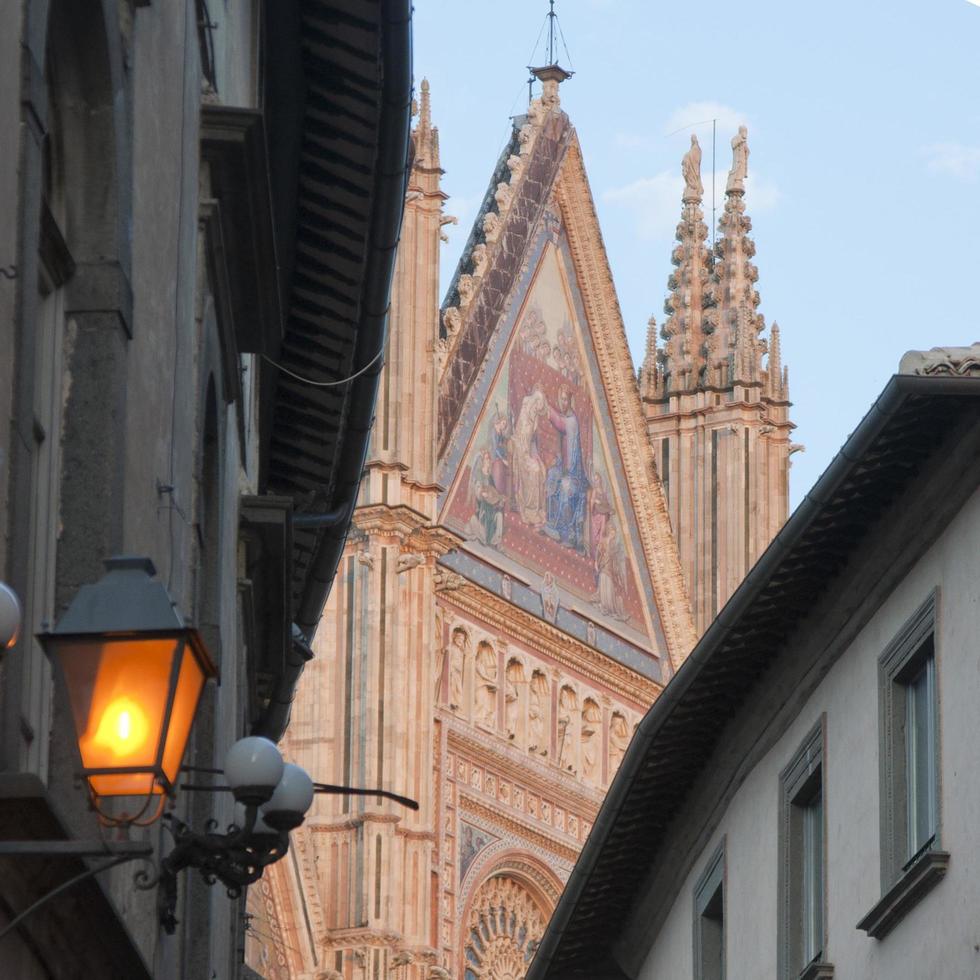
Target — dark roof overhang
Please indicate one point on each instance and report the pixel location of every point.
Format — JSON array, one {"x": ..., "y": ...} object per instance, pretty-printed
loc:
[
  {"x": 338, "y": 96},
  {"x": 914, "y": 422}
]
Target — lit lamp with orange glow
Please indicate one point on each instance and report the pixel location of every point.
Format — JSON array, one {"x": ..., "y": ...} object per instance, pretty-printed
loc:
[{"x": 134, "y": 673}]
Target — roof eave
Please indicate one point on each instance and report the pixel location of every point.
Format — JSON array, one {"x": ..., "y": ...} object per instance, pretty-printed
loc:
[{"x": 896, "y": 392}]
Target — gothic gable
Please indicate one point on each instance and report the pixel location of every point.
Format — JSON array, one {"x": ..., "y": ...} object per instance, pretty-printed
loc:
[{"x": 549, "y": 475}]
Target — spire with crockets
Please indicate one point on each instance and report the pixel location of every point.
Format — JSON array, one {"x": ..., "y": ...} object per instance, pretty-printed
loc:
[
  {"x": 717, "y": 415},
  {"x": 680, "y": 364}
]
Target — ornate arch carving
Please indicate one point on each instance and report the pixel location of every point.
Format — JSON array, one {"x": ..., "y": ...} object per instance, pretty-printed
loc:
[{"x": 502, "y": 929}]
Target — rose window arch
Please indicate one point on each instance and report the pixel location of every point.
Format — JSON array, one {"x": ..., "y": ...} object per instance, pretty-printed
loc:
[{"x": 504, "y": 928}]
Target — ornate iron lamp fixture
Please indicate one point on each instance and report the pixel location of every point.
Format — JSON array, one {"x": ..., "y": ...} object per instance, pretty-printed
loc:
[
  {"x": 275, "y": 797},
  {"x": 134, "y": 673}
]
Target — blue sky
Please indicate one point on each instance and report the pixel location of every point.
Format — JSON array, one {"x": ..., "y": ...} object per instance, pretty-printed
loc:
[{"x": 864, "y": 187}]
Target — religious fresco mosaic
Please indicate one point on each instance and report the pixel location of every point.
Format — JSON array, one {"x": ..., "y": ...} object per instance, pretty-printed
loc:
[{"x": 535, "y": 483}]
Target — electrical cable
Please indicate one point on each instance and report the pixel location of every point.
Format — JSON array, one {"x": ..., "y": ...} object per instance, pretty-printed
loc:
[
  {"x": 327, "y": 384},
  {"x": 64, "y": 886}
]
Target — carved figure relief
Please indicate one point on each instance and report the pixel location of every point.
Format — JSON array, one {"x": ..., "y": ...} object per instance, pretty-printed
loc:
[
  {"x": 504, "y": 929},
  {"x": 452, "y": 319},
  {"x": 591, "y": 740},
  {"x": 514, "y": 686},
  {"x": 539, "y": 699},
  {"x": 619, "y": 740},
  {"x": 691, "y": 169},
  {"x": 740, "y": 162},
  {"x": 458, "y": 654},
  {"x": 567, "y": 710},
  {"x": 492, "y": 226},
  {"x": 550, "y": 598},
  {"x": 466, "y": 284},
  {"x": 440, "y": 656},
  {"x": 486, "y": 685},
  {"x": 479, "y": 257},
  {"x": 537, "y": 112}
]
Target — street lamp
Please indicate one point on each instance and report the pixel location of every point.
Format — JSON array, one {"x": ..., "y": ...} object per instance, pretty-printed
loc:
[
  {"x": 134, "y": 672},
  {"x": 9, "y": 617}
]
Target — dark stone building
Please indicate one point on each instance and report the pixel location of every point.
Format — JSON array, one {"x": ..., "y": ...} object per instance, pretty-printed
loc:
[{"x": 199, "y": 209}]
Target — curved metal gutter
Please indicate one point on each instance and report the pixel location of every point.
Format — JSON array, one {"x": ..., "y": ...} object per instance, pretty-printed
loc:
[
  {"x": 891, "y": 399},
  {"x": 390, "y": 186}
]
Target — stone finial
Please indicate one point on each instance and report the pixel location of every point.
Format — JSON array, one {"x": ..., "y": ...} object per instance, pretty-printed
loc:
[
  {"x": 774, "y": 368},
  {"x": 691, "y": 170},
  {"x": 740, "y": 162},
  {"x": 735, "y": 324},
  {"x": 649, "y": 371},
  {"x": 425, "y": 107},
  {"x": 425, "y": 135}
]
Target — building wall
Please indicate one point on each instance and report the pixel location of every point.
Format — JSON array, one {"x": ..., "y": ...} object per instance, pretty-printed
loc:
[
  {"x": 135, "y": 455},
  {"x": 937, "y": 938}
]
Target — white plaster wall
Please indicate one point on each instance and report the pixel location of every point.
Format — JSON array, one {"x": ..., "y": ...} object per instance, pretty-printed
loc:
[{"x": 938, "y": 939}]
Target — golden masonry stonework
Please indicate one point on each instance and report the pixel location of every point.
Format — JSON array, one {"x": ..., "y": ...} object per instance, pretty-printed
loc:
[{"x": 540, "y": 537}]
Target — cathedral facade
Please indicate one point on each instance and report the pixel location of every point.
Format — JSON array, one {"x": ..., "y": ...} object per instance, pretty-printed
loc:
[{"x": 540, "y": 538}]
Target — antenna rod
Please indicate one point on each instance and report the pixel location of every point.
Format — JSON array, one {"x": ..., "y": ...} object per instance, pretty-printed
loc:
[
  {"x": 714, "y": 124},
  {"x": 551, "y": 33}
]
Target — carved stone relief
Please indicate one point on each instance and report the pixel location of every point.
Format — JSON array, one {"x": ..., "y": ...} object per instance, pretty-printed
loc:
[
  {"x": 485, "y": 707},
  {"x": 504, "y": 929}
]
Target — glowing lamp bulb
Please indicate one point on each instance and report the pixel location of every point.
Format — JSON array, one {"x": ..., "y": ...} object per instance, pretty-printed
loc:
[{"x": 123, "y": 728}]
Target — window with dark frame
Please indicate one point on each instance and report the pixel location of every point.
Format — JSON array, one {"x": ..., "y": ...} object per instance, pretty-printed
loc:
[
  {"x": 709, "y": 919},
  {"x": 920, "y": 756},
  {"x": 912, "y": 859},
  {"x": 909, "y": 745},
  {"x": 802, "y": 862}
]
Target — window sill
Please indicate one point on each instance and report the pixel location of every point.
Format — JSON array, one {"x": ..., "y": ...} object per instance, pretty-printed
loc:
[
  {"x": 911, "y": 888},
  {"x": 818, "y": 971}
]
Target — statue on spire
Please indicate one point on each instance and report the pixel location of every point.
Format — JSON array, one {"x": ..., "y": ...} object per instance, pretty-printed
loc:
[
  {"x": 740, "y": 162},
  {"x": 691, "y": 169}
]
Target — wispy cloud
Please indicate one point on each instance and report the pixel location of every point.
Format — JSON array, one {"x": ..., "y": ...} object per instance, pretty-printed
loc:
[
  {"x": 698, "y": 116},
  {"x": 655, "y": 201},
  {"x": 954, "y": 160}
]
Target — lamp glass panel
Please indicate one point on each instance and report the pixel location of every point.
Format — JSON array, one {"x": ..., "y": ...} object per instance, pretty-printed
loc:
[
  {"x": 118, "y": 691},
  {"x": 189, "y": 685}
]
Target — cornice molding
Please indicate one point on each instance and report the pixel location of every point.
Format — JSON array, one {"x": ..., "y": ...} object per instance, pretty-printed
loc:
[
  {"x": 542, "y": 637},
  {"x": 521, "y": 829},
  {"x": 570, "y": 796},
  {"x": 399, "y": 521}
]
